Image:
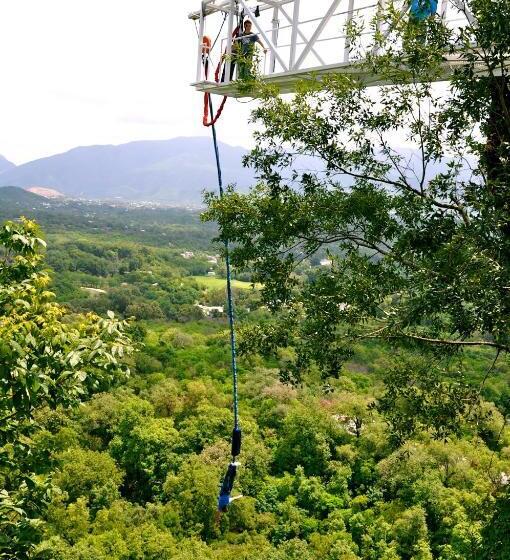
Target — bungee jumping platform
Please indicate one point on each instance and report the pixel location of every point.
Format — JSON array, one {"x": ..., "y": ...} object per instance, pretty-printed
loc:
[{"x": 305, "y": 39}]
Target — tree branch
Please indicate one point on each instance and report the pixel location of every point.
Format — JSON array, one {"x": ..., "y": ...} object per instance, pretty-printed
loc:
[{"x": 439, "y": 341}]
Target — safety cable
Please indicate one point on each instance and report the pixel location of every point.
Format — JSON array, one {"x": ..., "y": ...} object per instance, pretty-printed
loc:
[
  {"x": 230, "y": 299},
  {"x": 224, "y": 498},
  {"x": 219, "y": 32}
]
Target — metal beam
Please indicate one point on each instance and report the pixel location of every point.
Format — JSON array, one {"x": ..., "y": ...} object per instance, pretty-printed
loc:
[
  {"x": 302, "y": 36},
  {"x": 381, "y": 7},
  {"x": 201, "y": 30},
  {"x": 230, "y": 31},
  {"x": 347, "y": 46},
  {"x": 294, "y": 35},
  {"x": 405, "y": 8},
  {"x": 268, "y": 41},
  {"x": 274, "y": 37},
  {"x": 318, "y": 31},
  {"x": 286, "y": 81},
  {"x": 273, "y": 4},
  {"x": 212, "y": 7},
  {"x": 461, "y": 6}
]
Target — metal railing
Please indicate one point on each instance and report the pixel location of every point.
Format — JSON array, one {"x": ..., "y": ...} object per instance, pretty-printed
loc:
[{"x": 297, "y": 39}]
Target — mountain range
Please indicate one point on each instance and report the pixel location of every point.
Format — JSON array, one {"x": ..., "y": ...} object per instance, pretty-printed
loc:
[
  {"x": 169, "y": 172},
  {"x": 5, "y": 164},
  {"x": 172, "y": 171}
]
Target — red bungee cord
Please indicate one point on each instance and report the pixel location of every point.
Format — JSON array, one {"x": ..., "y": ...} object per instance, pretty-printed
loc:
[{"x": 205, "y": 52}]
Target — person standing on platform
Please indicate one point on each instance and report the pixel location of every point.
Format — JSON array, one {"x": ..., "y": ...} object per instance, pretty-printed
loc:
[{"x": 245, "y": 51}]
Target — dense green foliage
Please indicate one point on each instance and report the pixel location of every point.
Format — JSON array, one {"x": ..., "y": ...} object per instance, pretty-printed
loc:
[
  {"x": 424, "y": 233},
  {"x": 391, "y": 443},
  {"x": 319, "y": 475},
  {"x": 48, "y": 359},
  {"x": 134, "y": 472}
]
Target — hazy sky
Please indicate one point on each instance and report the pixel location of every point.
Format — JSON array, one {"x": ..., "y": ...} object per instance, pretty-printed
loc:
[{"x": 81, "y": 72}]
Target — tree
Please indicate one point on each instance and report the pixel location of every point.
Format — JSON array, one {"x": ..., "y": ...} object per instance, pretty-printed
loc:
[
  {"x": 422, "y": 395},
  {"x": 48, "y": 358},
  {"x": 308, "y": 439},
  {"x": 193, "y": 493},
  {"x": 419, "y": 238},
  {"x": 495, "y": 535},
  {"x": 145, "y": 450},
  {"x": 89, "y": 475}
]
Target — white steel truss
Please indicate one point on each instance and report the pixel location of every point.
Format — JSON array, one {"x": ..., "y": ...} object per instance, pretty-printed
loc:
[{"x": 302, "y": 37}]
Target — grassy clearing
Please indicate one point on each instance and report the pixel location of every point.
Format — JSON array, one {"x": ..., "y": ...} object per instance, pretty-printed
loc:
[{"x": 214, "y": 283}]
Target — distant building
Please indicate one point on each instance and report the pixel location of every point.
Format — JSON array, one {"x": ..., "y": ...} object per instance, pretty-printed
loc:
[
  {"x": 93, "y": 291},
  {"x": 210, "y": 310},
  {"x": 212, "y": 260},
  {"x": 350, "y": 424},
  {"x": 187, "y": 255},
  {"x": 211, "y": 273},
  {"x": 325, "y": 262}
]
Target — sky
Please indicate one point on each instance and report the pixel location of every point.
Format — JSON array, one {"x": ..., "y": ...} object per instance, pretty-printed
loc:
[{"x": 84, "y": 72}]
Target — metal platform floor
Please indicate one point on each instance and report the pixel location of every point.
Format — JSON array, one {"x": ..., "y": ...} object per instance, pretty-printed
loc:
[{"x": 286, "y": 82}]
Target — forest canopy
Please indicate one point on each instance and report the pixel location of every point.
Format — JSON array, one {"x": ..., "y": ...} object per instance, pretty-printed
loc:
[
  {"x": 374, "y": 386},
  {"x": 419, "y": 239}
]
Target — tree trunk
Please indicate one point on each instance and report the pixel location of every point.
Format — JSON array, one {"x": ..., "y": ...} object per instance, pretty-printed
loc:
[{"x": 497, "y": 154}]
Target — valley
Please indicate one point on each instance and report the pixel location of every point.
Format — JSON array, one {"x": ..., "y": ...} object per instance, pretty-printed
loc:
[{"x": 135, "y": 470}]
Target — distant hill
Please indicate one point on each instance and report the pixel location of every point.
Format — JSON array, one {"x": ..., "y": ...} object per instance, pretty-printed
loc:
[
  {"x": 5, "y": 164},
  {"x": 14, "y": 197},
  {"x": 166, "y": 171},
  {"x": 173, "y": 172}
]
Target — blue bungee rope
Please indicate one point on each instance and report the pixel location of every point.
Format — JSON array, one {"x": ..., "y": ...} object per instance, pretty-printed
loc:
[{"x": 224, "y": 498}]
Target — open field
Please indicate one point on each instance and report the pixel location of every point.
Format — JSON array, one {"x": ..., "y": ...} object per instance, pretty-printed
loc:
[{"x": 212, "y": 282}]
